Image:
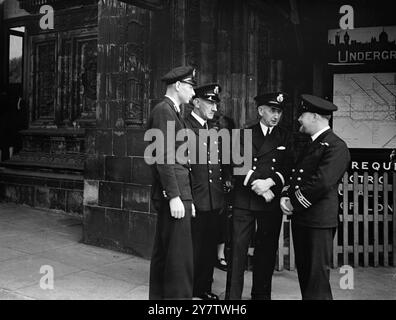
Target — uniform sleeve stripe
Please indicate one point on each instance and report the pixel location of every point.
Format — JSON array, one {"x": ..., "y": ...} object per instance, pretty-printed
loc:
[
  {"x": 302, "y": 202},
  {"x": 302, "y": 199},
  {"x": 305, "y": 199},
  {"x": 306, "y": 204}
]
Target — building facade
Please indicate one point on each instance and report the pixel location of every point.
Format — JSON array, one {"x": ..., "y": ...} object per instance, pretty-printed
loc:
[{"x": 79, "y": 90}]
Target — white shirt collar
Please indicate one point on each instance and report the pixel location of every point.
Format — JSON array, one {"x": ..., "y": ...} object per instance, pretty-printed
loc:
[
  {"x": 265, "y": 129},
  {"x": 317, "y": 134},
  {"x": 198, "y": 118},
  {"x": 174, "y": 103}
]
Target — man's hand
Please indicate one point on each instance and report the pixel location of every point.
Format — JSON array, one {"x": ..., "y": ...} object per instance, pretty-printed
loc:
[
  {"x": 227, "y": 186},
  {"x": 260, "y": 185},
  {"x": 192, "y": 210},
  {"x": 176, "y": 208},
  {"x": 286, "y": 206},
  {"x": 268, "y": 195}
]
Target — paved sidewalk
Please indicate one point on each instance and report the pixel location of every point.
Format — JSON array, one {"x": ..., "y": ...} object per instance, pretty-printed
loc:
[{"x": 32, "y": 238}]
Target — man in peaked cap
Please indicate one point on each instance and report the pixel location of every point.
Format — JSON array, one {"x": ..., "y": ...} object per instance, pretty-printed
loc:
[
  {"x": 207, "y": 190},
  {"x": 209, "y": 92},
  {"x": 183, "y": 74},
  {"x": 257, "y": 196},
  {"x": 171, "y": 268},
  {"x": 311, "y": 198}
]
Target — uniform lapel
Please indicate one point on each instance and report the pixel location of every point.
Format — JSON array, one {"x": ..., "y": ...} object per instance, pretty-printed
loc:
[
  {"x": 257, "y": 138},
  {"x": 194, "y": 124},
  {"x": 319, "y": 139},
  {"x": 270, "y": 143},
  {"x": 314, "y": 145},
  {"x": 177, "y": 114},
  {"x": 323, "y": 135},
  {"x": 171, "y": 104}
]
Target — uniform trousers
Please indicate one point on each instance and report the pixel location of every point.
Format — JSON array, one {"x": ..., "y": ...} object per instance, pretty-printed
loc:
[
  {"x": 171, "y": 267},
  {"x": 205, "y": 231},
  {"x": 265, "y": 248},
  {"x": 313, "y": 249}
]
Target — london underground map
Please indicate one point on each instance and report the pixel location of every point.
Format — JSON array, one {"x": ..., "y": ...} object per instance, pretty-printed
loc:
[{"x": 366, "y": 116}]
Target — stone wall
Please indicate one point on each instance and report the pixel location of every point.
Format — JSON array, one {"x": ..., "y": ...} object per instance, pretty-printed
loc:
[
  {"x": 47, "y": 191},
  {"x": 117, "y": 208},
  {"x": 219, "y": 38}
]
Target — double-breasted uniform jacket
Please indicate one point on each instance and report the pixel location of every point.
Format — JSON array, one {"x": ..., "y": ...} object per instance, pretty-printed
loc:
[
  {"x": 206, "y": 178},
  {"x": 169, "y": 179},
  {"x": 272, "y": 156},
  {"x": 313, "y": 185}
]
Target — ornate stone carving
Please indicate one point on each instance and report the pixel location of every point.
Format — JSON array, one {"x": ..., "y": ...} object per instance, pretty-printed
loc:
[
  {"x": 44, "y": 79},
  {"x": 61, "y": 149},
  {"x": 87, "y": 54},
  {"x": 193, "y": 33},
  {"x": 136, "y": 67}
]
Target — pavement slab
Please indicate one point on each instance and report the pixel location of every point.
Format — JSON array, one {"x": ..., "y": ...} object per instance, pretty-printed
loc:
[
  {"x": 25, "y": 270},
  {"x": 39, "y": 241},
  {"x": 83, "y": 256},
  {"x": 7, "y": 254},
  {"x": 139, "y": 293},
  {"x": 83, "y": 285},
  {"x": 133, "y": 270}
]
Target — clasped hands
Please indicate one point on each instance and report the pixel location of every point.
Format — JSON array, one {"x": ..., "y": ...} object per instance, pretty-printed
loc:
[{"x": 262, "y": 187}]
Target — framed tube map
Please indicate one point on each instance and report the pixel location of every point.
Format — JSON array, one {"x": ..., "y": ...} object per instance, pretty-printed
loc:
[
  {"x": 366, "y": 116},
  {"x": 364, "y": 86}
]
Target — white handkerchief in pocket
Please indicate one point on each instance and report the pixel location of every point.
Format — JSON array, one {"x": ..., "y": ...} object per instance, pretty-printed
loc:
[{"x": 281, "y": 148}]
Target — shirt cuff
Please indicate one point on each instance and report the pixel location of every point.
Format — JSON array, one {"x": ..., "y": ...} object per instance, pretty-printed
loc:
[{"x": 281, "y": 177}]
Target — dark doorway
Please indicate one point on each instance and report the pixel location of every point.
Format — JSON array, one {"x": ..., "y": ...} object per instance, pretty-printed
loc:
[{"x": 14, "y": 113}]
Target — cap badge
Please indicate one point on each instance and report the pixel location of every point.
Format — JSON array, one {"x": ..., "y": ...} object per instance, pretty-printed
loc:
[
  {"x": 193, "y": 73},
  {"x": 216, "y": 90},
  {"x": 280, "y": 98}
]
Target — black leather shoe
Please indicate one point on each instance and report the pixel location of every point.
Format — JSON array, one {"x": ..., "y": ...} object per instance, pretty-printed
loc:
[{"x": 208, "y": 296}]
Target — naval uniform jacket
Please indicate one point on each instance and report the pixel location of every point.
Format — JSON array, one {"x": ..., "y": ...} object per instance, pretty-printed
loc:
[
  {"x": 169, "y": 179},
  {"x": 313, "y": 185},
  {"x": 271, "y": 155},
  {"x": 207, "y": 178}
]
